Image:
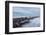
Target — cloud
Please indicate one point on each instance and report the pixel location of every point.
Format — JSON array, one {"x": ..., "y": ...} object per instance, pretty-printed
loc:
[{"x": 26, "y": 11}]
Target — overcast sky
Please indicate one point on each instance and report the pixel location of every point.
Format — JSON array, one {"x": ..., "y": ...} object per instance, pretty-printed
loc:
[{"x": 26, "y": 11}]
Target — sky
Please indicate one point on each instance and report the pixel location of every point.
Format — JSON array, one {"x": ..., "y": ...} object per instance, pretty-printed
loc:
[{"x": 28, "y": 11}]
